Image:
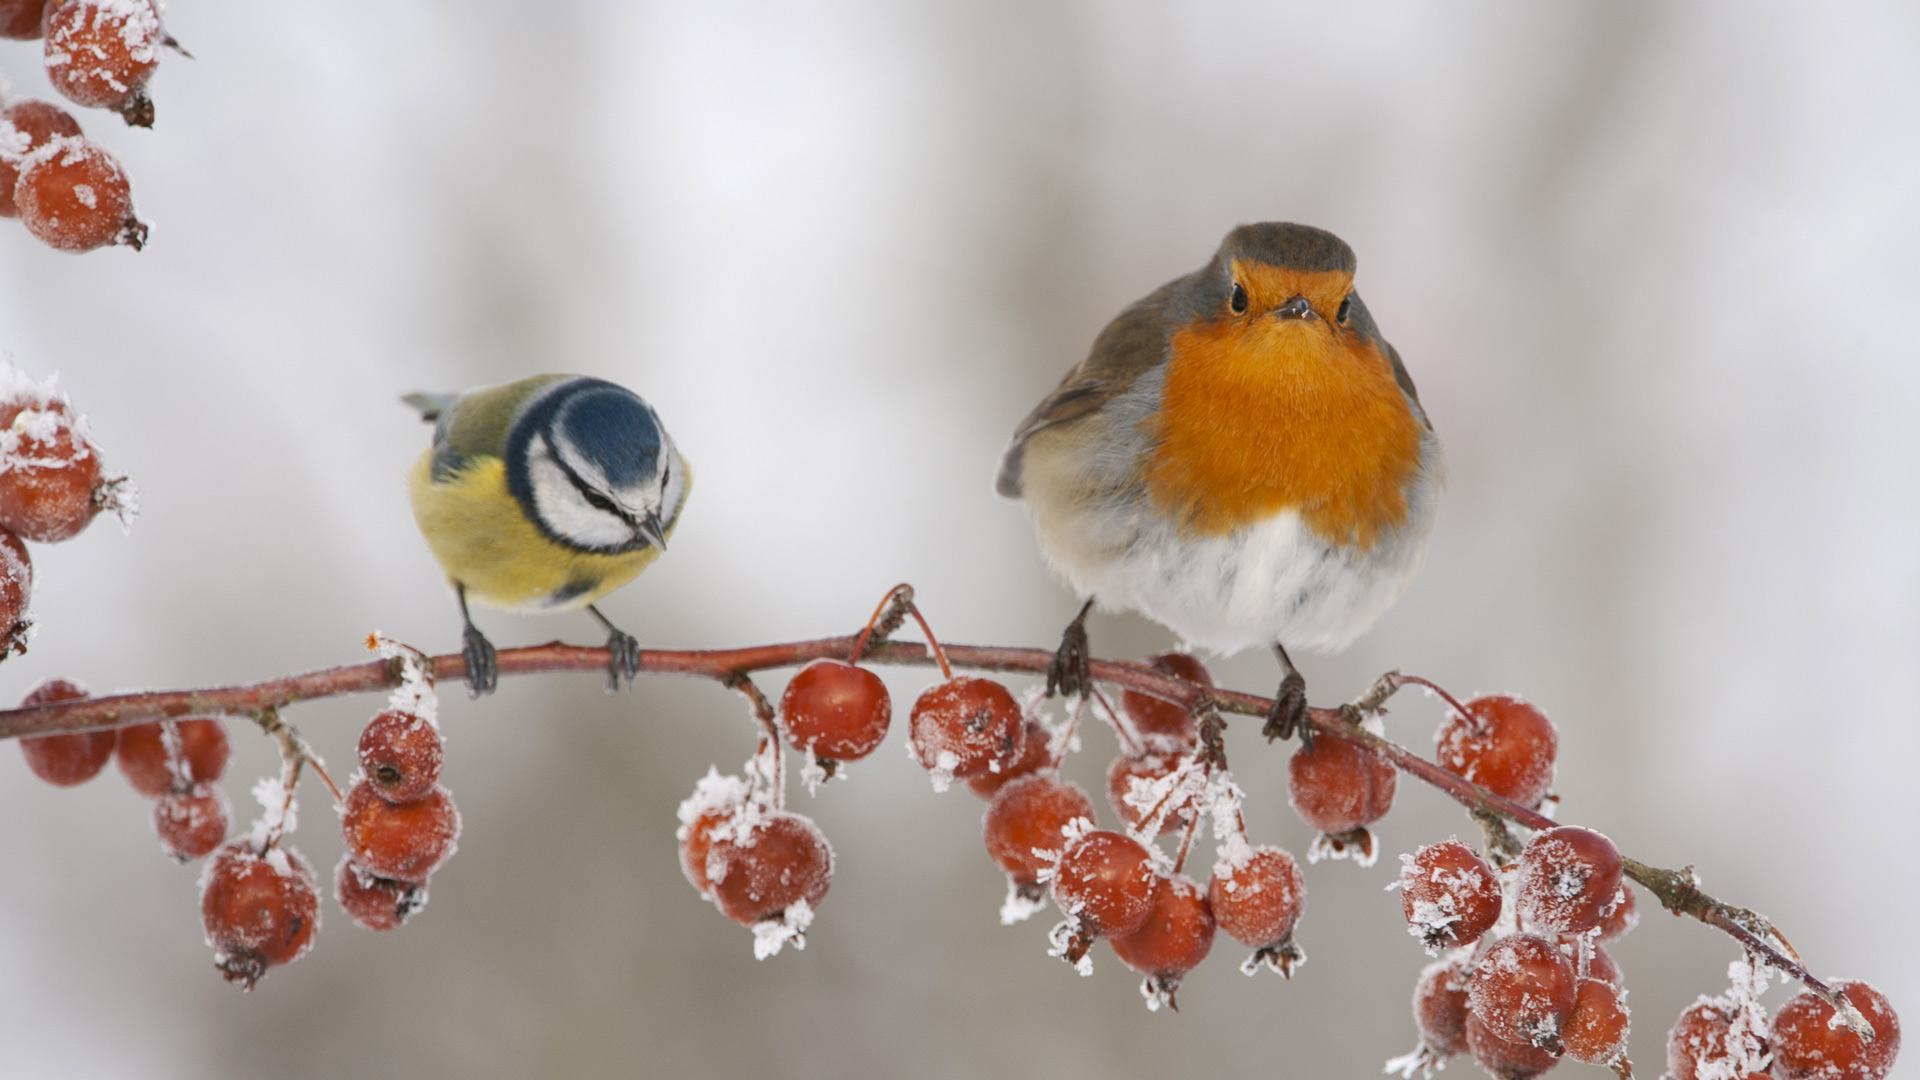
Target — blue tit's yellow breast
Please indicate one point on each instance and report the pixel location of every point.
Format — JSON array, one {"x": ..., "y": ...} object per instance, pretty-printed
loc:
[{"x": 482, "y": 539}]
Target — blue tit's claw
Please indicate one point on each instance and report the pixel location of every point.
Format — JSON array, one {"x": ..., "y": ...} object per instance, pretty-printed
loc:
[
  {"x": 1289, "y": 712},
  {"x": 483, "y": 663},
  {"x": 623, "y": 660}
]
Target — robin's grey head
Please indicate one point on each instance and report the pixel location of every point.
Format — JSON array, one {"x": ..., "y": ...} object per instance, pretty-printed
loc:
[
  {"x": 594, "y": 468},
  {"x": 1284, "y": 270}
]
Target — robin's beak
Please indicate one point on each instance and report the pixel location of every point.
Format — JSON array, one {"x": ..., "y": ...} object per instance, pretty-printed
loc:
[
  {"x": 653, "y": 529},
  {"x": 1295, "y": 308}
]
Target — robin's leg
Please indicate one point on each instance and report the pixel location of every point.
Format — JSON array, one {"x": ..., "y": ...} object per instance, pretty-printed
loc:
[
  {"x": 1289, "y": 712},
  {"x": 1068, "y": 672},
  {"x": 625, "y": 652},
  {"x": 483, "y": 663}
]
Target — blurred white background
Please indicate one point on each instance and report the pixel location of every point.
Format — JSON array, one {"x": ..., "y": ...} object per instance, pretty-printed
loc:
[{"x": 1653, "y": 268}]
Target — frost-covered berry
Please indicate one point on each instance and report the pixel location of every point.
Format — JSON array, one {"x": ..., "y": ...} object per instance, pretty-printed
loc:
[
  {"x": 1622, "y": 916},
  {"x": 1600, "y": 962},
  {"x": 26, "y": 126},
  {"x": 1808, "y": 1043},
  {"x": 1569, "y": 878},
  {"x": 67, "y": 759},
  {"x": 1106, "y": 881},
  {"x": 1440, "y": 1007},
  {"x": 259, "y": 911},
  {"x": 1449, "y": 894},
  {"x": 1258, "y": 896},
  {"x": 1703, "y": 1045},
  {"x": 835, "y": 710},
  {"x": 73, "y": 196},
  {"x": 716, "y": 803},
  {"x": 1522, "y": 989},
  {"x": 1036, "y": 753},
  {"x": 1596, "y": 1030},
  {"x": 1165, "y": 727},
  {"x": 1176, "y": 936},
  {"x": 1505, "y": 745},
  {"x": 404, "y": 841},
  {"x": 401, "y": 753},
  {"x": 782, "y": 861},
  {"x": 1505, "y": 1058},
  {"x": 373, "y": 902},
  {"x": 191, "y": 821},
  {"x": 20, "y": 19},
  {"x": 1340, "y": 788},
  {"x": 1025, "y": 824},
  {"x": 16, "y": 593},
  {"x": 50, "y": 484},
  {"x": 148, "y": 763},
  {"x": 966, "y": 727},
  {"x": 1149, "y": 775},
  {"x": 100, "y": 53}
]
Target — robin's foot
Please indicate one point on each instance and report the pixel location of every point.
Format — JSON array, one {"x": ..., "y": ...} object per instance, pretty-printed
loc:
[
  {"x": 1289, "y": 712},
  {"x": 623, "y": 653},
  {"x": 1069, "y": 673},
  {"x": 483, "y": 662}
]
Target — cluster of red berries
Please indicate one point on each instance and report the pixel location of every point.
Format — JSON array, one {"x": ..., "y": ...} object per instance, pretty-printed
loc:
[
  {"x": 399, "y": 823},
  {"x": 1729, "y": 1036},
  {"x": 69, "y": 192}
]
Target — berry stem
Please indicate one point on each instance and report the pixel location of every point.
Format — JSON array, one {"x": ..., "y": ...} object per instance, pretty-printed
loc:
[
  {"x": 887, "y": 616},
  {"x": 770, "y": 743},
  {"x": 1130, "y": 743},
  {"x": 939, "y": 653}
]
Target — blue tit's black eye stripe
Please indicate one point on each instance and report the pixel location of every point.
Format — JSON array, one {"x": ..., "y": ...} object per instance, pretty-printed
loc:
[{"x": 594, "y": 498}]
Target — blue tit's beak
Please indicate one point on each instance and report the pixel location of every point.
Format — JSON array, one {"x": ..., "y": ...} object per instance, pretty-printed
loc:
[{"x": 653, "y": 529}]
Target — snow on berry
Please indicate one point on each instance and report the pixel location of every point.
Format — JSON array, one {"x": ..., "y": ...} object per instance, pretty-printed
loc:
[
  {"x": 1569, "y": 879},
  {"x": 26, "y": 126},
  {"x": 191, "y": 821},
  {"x": 405, "y": 841},
  {"x": 1105, "y": 880},
  {"x": 1812, "y": 1042},
  {"x": 1505, "y": 1058},
  {"x": 1036, "y": 753},
  {"x": 1258, "y": 897},
  {"x": 260, "y": 911},
  {"x": 50, "y": 472},
  {"x": 72, "y": 195},
  {"x": 373, "y": 902},
  {"x": 1596, "y": 1030},
  {"x": 1155, "y": 794},
  {"x": 401, "y": 754},
  {"x": 720, "y": 807},
  {"x": 1504, "y": 744},
  {"x": 1175, "y": 938},
  {"x": 1024, "y": 827},
  {"x": 100, "y": 53},
  {"x": 761, "y": 873},
  {"x": 1522, "y": 990},
  {"x": 1449, "y": 895},
  {"x": 160, "y": 756},
  {"x": 1724, "y": 1037},
  {"x": 965, "y": 727},
  {"x": 1439, "y": 1015},
  {"x": 16, "y": 594}
]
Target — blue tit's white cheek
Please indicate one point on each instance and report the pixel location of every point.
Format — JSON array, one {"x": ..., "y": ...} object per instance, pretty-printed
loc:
[{"x": 565, "y": 512}]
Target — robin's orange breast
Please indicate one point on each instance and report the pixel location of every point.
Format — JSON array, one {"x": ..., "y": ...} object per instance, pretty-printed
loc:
[{"x": 1265, "y": 415}]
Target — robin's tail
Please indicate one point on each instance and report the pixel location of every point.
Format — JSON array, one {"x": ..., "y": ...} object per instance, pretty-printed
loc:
[{"x": 429, "y": 405}]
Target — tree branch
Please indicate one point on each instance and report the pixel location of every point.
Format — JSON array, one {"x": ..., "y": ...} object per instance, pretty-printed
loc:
[{"x": 1677, "y": 890}]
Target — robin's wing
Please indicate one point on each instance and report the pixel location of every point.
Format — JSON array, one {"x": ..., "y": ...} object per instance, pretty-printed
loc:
[
  {"x": 1406, "y": 384},
  {"x": 1134, "y": 343}
]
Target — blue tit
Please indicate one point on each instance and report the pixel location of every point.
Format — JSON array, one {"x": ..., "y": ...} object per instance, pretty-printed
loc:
[{"x": 545, "y": 494}]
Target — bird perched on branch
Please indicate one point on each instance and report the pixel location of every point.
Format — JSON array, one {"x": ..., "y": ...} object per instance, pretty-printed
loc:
[
  {"x": 1242, "y": 457},
  {"x": 545, "y": 494}
]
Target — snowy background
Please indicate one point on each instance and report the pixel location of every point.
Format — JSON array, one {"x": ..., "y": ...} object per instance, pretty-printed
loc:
[{"x": 1652, "y": 266}]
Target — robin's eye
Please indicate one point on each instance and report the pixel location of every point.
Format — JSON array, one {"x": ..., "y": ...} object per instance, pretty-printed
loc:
[
  {"x": 1346, "y": 310},
  {"x": 1238, "y": 302}
]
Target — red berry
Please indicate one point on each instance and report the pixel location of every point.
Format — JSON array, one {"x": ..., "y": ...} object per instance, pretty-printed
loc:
[
  {"x": 1162, "y": 725},
  {"x": 1621, "y": 918},
  {"x": 1702, "y": 1045},
  {"x": 73, "y": 196},
  {"x": 1449, "y": 894},
  {"x": 1507, "y": 747},
  {"x": 1600, "y": 962},
  {"x": 146, "y": 761},
  {"x": 20, "y": 19},
  {"x": 836, "y": 711},
  {"x": 1036, "y": 753},
  {"x": 715, "y": 803},
  {"x": 1338, "y": 786},
  {"x": 1440, "y": 1007},
  {"x": 49, "y": 472},
  {"x": 26, "y": 126},
  {"x": 69, "y": 759},
  {"x": 1808, "y": 1045},
  {"x": 1522, "y": 989},
  {"x": 966, "y": 727},
  {"x": 100, "y": 53},
  {"x": 401, "y": 753},
  {"x": 375, "y": 903},
  {"x": 16, "y": 593},
  {"x": 1106, "y": 880},
  {"x": 783, "y": 860},
  {"x": 1176, "y": 936},
  {"x": 1505, "y": 1058},
  {"x": 1569, "y": 878},
  {"x": 1122, "y": 774},
  {"x": 1596, "y": 1030},
  {"x": 191, "y": 821},
  {"x": 259, "y": 911},
  {"x": 404, "y": 841},
  {"x": 1259, "y": 898},
  {"x": 1030, "y": 816}
]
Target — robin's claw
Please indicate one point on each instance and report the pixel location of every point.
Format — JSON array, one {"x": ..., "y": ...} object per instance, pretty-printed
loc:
[
  {"x": 1289, "y": 712},
  {"x": 623, "y": 659},
  {"x": 483, "y": 662},
  {"x": 1069, "y": 673}
]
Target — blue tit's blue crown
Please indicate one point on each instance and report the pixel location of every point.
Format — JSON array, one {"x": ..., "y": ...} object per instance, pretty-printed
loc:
[
  {"x": 585, "y": 460},
  {"x": 611, "y": 426}
]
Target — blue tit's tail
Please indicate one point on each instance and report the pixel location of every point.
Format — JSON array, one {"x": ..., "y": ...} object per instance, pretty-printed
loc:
[{"x": 430, "y": 405}]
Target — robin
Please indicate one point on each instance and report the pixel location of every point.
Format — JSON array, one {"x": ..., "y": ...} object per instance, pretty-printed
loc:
[{"x": 1241, "y": 457}]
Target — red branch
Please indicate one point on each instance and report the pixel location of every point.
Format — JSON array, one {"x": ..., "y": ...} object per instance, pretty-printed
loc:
[{"x": 1677, "y": 890}]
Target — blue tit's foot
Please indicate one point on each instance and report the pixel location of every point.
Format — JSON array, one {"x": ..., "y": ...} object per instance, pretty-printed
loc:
[
  {"x": 623, "y": 662},
  {"x": 1068, "y": 674},
  {"x": 483, "y": 662},
  {"x": 1289, "y": 712}
]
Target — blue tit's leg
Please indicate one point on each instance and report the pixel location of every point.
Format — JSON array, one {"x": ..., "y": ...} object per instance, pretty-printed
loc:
[
  {"x": 624, "y": 650},
  {"x": 1289, "y": 712},
  {"x": 483, "y": 662},
  {"x": 1067, "y": 674}
]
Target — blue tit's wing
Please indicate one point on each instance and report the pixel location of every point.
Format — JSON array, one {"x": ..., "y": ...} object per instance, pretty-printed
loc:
[{"x": 476, "y": 424}]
